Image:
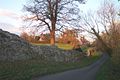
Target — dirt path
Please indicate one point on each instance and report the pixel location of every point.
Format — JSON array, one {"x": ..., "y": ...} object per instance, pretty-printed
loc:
[{"x": 87, "y": 73}]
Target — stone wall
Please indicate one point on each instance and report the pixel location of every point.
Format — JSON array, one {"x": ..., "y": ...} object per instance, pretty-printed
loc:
[
  {"x": 12, "y": 48},
  {"x": 53, "y": 53}
]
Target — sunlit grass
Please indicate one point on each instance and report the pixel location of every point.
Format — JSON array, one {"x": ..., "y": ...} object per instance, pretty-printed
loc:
[
  {"x": 40, "y": 44},
  {"x": 60, "y": 45},
  {"x": 65, "y": 46}
]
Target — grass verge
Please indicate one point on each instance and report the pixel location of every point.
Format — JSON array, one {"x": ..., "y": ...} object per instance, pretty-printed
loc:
[
  {"x": 109, "y": 71},
  {"x": 26, "y": 70},
  {"x": 104, "y": 71}
]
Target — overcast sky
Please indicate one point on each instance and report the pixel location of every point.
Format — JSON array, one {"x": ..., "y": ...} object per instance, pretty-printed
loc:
[{"x": 11, "y": 13}]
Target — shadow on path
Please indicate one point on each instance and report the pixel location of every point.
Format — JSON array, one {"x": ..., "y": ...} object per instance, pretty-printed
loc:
[{"x": 87, "y": 73}]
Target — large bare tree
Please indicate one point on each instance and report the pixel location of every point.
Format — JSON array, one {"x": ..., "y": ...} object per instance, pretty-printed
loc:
[
  {"x": 101, "y": 21},
  {"x": 54, "y": 14}
]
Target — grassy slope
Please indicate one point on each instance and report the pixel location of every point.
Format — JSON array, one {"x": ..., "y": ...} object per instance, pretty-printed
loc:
[{"x": 25, "y": 70}]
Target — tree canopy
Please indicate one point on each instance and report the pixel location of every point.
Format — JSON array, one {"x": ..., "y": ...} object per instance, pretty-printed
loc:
[{"x": 54, "y": 14}]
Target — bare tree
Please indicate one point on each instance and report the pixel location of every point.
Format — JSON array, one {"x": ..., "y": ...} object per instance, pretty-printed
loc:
[
  {"x": 54, "y": 14},
  {"x": 94, "y": 23}
]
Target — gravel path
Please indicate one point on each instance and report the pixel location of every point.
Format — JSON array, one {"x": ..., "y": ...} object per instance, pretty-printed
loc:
[{"x": 87, "y": 73}]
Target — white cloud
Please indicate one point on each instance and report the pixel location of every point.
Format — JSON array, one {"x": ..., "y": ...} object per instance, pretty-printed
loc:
[
  {"x": 10, "y": 28},
  {"x": 8, "y": 13},
  {"x": 10, "y": 21}
]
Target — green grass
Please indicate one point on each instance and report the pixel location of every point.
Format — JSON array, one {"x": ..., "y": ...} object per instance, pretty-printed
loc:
[
  {"x": 39, "y": 44},
  {"x": 60, "y": 45},
  {"x": 104, "y": 71},
  {"x": 26, "y": 70},
  {"x": 84, "y": 48},
  {"x": 109, "y": 71},
  {"x": 65, "y": 46}
]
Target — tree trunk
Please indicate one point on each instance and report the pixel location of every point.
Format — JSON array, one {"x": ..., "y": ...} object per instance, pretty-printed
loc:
[
  {"x": 52, "y": 32},
  {"x": 52, "y": 37}
]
